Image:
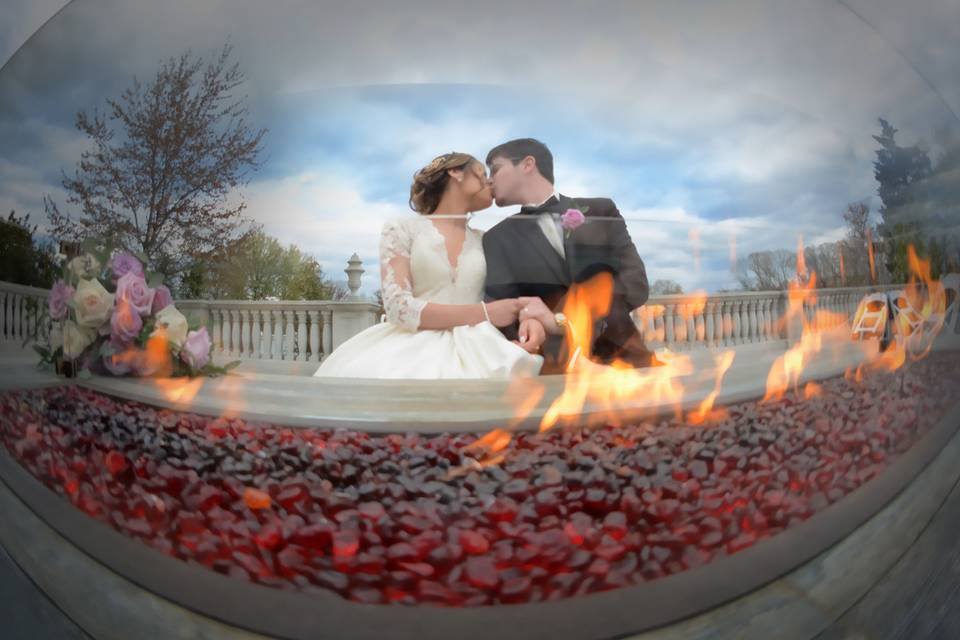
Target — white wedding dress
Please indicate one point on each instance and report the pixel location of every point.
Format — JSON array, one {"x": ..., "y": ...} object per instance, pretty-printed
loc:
[{"x": 397, "y": 348}]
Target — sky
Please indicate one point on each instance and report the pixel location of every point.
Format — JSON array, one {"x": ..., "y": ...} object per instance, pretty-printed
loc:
[{"x": 717, "y": 128}]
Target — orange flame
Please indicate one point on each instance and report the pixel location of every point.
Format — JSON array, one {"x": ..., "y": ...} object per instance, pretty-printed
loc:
[
  {"x": 873, "y": 266},
  {"x": 606, "y": 387},
  {"x": 786, "y": 370},
  {"x": 843, "y": 271},
  {"x": 705, "y": 411}
]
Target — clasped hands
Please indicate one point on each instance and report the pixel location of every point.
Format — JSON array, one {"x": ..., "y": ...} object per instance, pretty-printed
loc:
[{"x": 535, "y": 317}]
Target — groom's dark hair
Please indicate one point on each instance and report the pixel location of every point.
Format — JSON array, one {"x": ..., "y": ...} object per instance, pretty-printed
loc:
[{"x": 517, "y": 150}]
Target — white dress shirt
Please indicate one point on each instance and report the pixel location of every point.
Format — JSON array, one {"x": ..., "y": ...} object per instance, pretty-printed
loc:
[{"x": 551, "y": 226}]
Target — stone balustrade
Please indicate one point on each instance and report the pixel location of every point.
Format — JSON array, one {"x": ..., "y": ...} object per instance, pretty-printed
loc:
[
  {"x": 306, "y": 331},
  {"x": 686, "y": 322},
  {"x": 20, "y": 312}
]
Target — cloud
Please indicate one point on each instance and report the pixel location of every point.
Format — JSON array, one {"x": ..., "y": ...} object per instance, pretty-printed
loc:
[{"x": 752, "y": 116}]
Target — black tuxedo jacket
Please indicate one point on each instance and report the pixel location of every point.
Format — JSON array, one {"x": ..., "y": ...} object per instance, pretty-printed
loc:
[{"x": 522, "y": 262}]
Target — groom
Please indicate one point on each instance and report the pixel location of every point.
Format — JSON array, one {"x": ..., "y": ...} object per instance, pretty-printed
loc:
[{"x": 532, "y": 254}]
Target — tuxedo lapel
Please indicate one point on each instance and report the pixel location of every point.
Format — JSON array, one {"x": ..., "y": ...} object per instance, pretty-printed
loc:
[{"x": 530, "y": 231}]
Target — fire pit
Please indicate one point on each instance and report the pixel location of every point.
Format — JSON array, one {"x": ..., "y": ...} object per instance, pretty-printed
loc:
[{"x": 583, "y": 532}]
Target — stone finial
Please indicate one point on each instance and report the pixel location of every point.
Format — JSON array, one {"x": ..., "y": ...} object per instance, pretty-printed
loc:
[{"x": 354, "y": 270}]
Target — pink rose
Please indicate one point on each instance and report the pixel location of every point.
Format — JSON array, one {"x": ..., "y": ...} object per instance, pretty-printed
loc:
[
  {"x": 571, "y": 219},
  {"x": 134, "y": 289},
  {"x": 161, "y": 298},
  {"x": 60, "y": 294},
  {"x": 125, "y": 323},
  {"x": 196, "y": 348},
  {"x": 123, "y": 263}
]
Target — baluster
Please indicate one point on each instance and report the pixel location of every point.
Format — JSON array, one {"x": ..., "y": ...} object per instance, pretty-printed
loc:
[
  {"x": 701, "y": 326},
  {"x": 314, "y": 335},
  {"x": 717, "y": 324},
  {"x": 289, "y": 335},
  {"x": 709, "y": 338},
  {"x": 276, "y": 340},
  {"x": 17, "y": 320},
  {"x": 235, "y": 351},
  {"x": 256, "y": 335},
  {"x": 737, "y": 323},
  {"x": 691, "y": 328},
  {"x": 754, "y": 321},
  {"x": 4, "y": 325},
  {"x": 248, "y": 332},
  {"x": 768, "y": 319},
  {"x": 327, "y": 332},
  {"x": 668, "y": 324},
  {"x": 215, "y": 326},
  {"x": 301, "y": 335},
  {"x": 266, "y": 352},
  {"x": 227, "y": 329}
]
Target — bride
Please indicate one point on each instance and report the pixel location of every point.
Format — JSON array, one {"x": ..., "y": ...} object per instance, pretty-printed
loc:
[{"x": 432, "y": 271}]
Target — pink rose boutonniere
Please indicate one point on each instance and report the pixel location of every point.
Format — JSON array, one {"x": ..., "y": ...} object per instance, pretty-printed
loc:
[{"x": 571, "y": 219}]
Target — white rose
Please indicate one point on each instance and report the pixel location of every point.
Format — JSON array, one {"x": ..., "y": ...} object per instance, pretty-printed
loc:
[
  {"x": 174, "y": 323},
  {"x": 92, "y": 303},
  {"x": 76, "y": 339},
  {"x": 85, "y": 266}
]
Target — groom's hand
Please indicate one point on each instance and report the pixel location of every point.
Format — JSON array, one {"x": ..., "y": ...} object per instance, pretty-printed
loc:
[
  {"x": 534, "y": 308},
  {"x": 532, "y": 335}
]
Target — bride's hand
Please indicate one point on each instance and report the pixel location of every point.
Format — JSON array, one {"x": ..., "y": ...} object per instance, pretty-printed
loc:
[
  {"x": 503, "y": 312},
  {"x": 532, "y": 335},
  {"x": 535, "y": 308}
]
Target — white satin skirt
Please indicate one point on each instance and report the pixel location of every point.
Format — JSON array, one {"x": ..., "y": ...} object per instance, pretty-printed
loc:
[{"x": 386, "y": 350}]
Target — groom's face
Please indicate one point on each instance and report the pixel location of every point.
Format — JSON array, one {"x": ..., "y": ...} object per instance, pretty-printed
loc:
[{"x": 506, "y": 179}]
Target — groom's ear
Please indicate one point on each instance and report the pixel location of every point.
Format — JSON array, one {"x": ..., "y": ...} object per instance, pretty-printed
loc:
[{"x": 528, "y": 164}]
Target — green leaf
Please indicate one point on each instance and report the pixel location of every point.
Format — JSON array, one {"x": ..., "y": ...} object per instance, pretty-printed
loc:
[
  {"x": 232, "y": 365},
  {"x": 84, "y": 374},
  {"x": 43, "y": 351},
  {"x": 155, "y": 280},
  {"x": 106, "y": 349}
]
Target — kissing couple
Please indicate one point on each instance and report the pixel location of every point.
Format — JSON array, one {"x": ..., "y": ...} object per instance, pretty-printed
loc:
[{"x": 461, "y": 303}]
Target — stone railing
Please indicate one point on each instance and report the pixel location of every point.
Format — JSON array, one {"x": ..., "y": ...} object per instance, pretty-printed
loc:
[
  {"x": 301, "y": 331},
  {"x": 19, "y": 312},
  {"x": 685, "y": 322},
  {"x": 306, "y": 331}
]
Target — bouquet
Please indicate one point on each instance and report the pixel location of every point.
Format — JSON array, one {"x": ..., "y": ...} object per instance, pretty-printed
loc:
[{"x": 107, "y": 315}]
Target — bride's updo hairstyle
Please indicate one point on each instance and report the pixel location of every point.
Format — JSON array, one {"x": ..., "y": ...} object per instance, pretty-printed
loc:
[{"x": 430, "y": 182}]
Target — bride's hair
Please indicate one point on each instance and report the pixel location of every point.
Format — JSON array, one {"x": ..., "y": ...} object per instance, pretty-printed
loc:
[{"x": 430, "y": 182}]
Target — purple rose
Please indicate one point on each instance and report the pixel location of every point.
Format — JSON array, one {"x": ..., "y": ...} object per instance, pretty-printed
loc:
[
  {"x": 123, "y": 263},
  {"x": 60, "y": 294},
  {"x": 134, "y": 289},
  {"x": 571, "y": 219},
  {"x": 161, "y": 298},
  {"x": 125, "y": 323},
  {"x": 196, "y": 348}
]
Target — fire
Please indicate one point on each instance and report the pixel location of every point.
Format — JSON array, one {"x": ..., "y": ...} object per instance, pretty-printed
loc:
[
  {"x": 812, "y": 390},
  {"x": 705, "y": 412},
  {"x": 873, "y": 266},
  {"x": 843, "y": 271},
  {"x": 786, "y": 370},
  {"x": 690, "y": 310},
  {"x": 607, "y": 387}
]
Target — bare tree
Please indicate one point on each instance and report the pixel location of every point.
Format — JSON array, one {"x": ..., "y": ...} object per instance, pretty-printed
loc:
[
  {"x": 166, "y": 161},
  {"x": 664, "y": 287}
]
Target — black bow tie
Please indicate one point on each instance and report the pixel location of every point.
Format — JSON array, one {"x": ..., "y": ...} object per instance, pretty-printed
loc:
[{"x": 550, "y": 206}]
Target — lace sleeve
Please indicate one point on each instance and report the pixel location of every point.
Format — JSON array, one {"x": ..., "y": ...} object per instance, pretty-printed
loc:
[{"x": 402, "y": 307}]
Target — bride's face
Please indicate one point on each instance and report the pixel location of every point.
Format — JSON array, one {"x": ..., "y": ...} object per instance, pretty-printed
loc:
[{"x": 476, "y": 187}]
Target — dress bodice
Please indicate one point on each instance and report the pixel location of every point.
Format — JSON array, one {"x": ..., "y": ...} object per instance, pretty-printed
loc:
[{"x": 432, "y": 277}]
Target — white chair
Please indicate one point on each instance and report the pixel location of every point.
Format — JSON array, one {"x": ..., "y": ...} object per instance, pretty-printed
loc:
[
  {"x": 906, "y": 320},
  {"x": 951, "y": 289},
  {"x": 870, "y": 320}
]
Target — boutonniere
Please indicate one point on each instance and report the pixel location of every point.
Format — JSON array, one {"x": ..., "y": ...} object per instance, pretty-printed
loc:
[{"x": 572, "y": 219}]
